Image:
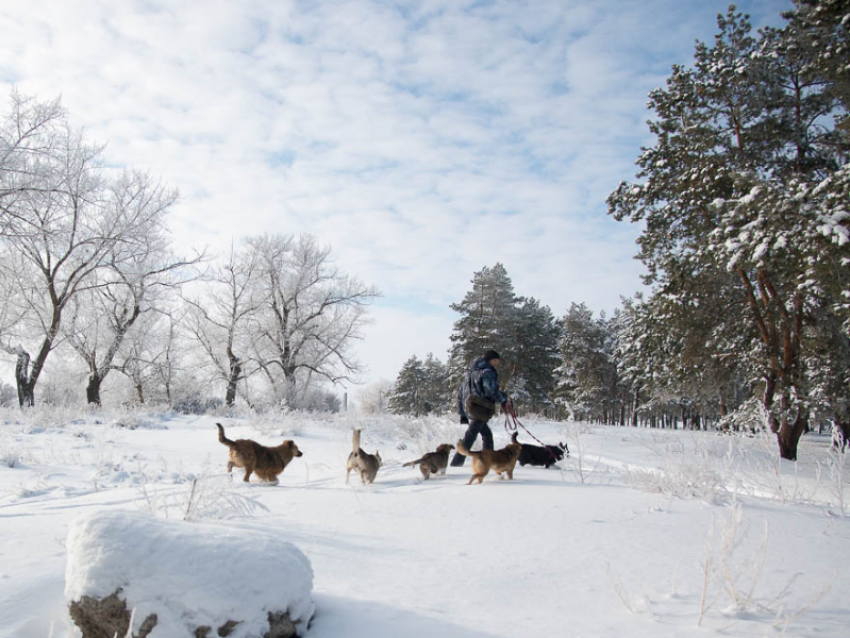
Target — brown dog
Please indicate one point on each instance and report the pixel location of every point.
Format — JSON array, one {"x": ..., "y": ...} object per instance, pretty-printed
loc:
[
  {"x": 433, "y": 462},
  {"x": 266, "y": 462},
  {"x": 499, "y": 461}
]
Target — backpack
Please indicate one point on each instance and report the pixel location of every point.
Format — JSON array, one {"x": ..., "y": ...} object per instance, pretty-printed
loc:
[{"x": 477, "y": 407}]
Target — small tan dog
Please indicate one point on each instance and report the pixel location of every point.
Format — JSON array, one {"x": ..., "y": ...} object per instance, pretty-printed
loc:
[
  {"x": 433, "y": 462},
  {"x": 499, "y": 461},
  {"x": 266, "y": 462},
  {"x": 363, "y": 462}
]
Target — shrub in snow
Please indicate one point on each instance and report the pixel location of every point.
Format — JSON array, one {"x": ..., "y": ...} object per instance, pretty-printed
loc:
[
  {"x": 178, "y": 580},
  {"x": 690, "y": 469},
  {"x": 9, "y": 457},
  {"x": 732, "y": 570}
]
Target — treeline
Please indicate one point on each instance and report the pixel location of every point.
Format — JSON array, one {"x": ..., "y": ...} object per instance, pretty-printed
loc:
[
  {"x": 744, "y": 198},
  {"x": 580, "y": 366},
  {"x": 95, "y": 298}
]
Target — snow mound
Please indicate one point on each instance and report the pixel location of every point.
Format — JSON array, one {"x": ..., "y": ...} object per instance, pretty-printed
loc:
[
  {"x": 133, "y": 422},
  {"x": 188, "y": 574}
]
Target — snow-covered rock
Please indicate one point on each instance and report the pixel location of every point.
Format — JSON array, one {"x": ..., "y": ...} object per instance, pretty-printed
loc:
[{"x": 188, "y": 575}]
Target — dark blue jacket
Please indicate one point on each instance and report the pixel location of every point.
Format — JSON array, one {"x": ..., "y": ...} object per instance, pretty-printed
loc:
[{"x": 485, "y": 383}]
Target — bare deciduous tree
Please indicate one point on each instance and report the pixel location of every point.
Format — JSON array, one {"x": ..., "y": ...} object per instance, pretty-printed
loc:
[
  {"x": 375, "y": 397},
  {"x": 312, "y": 314},
  {"x": 136, "y": 276},
  {"x": 219, "y": 320},
  {"x": 154, "y": 356},
  {"x": 65, "y": 225},
  {"x": 25, "y": 142}
]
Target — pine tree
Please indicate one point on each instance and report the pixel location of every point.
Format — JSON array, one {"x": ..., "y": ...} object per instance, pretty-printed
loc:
[
  {"x": 668, "y": 355},
  {"x": 408, "y": 392},
  {"x": 437, "y": 395},
  {"x": 522, "y": 331},
  {"x": 488, "y": 320},
  {"x": 536, "y": 356},
  {"x": 585, "y": 376},
  {"x": 742, "y": 200}
]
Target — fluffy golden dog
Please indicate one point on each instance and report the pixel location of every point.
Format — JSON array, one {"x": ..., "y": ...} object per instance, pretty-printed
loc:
[
  {"x": 266, "y": 462},
  {"x": 499, "y": 461},
  {"x": 433, "y": 462}
]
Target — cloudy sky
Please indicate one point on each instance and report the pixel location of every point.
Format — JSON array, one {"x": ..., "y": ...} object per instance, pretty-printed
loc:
[{"x": 421, "y": 140}]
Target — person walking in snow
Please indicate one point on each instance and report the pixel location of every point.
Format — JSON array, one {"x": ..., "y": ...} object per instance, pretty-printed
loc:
[{"x": 477, "y": 397}]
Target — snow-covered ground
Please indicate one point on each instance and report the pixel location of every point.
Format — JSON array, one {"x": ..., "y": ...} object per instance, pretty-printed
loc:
[{"x": 639, "y": 533}]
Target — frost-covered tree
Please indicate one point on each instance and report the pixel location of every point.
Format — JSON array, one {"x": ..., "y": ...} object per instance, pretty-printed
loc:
[
  {"x": 374, "y": 398},
  {"x": 220, "y": 318},
  {"x": 29, "y": 133},
  {"x": 171, "y": 372},
  {"x": 147, "y": 358},
  {"x": 313, "y": 312},
  {"x": 744, "y": 197},
  {"x": 64, "y": 224},
  {"x": 135, "y": 280}
]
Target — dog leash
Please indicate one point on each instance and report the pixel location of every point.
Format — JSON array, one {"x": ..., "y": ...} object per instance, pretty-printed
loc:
[{"x": 512, "y": 423}]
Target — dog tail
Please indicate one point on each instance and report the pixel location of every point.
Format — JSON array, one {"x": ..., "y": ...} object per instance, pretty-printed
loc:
[
  {"x": 355, "y": 441},
  {"x": 223, "y": 438},
  {"x": 462, "y": 449},
  {"x": 412, "y": 463}
]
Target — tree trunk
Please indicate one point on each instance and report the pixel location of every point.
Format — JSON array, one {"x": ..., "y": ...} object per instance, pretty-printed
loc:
[
  {"x": 26, "y": 387},
  {"x": 635, "y": 409},
  {"x": 235, "y": 372},
  {"x": 840, "y": 435},
  {"x": 99, "y": 372},
  {"x": 789, "y": 435},
  {"x": 93, "y": 389}
]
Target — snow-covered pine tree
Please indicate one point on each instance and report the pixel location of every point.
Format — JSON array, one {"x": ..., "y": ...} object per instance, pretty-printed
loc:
[
  {"x": 536, "y": 356},
  {"x": 437, "y": 397},
  {"x": 743, "y": 187},
  {"x": 584, "y": 376},
  {"x": 823, "y": 32},
  {"x": 623, "y": 388},
  {"x": 408, "y": 394},
  {"x": 667, "y": 353},
  {"x": 489, "y": 314}
]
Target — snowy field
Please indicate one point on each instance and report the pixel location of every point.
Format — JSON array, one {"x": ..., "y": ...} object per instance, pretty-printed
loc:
[{"x": 639, "y": 533}]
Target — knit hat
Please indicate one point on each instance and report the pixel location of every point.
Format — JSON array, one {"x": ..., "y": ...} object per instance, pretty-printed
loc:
[{"x": 491, "y": 354}]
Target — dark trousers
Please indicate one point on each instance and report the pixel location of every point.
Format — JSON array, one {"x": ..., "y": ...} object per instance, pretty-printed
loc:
[{"x": 475, "y": 428}]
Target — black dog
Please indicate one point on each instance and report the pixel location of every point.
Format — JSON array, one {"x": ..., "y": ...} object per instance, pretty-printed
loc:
[{"x": 547, "y": 456}]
